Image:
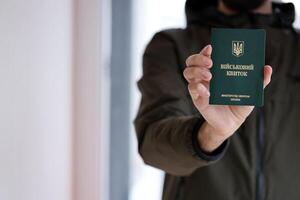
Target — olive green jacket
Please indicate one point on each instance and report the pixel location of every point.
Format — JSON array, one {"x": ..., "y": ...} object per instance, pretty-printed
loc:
[{"x": 262, "y": 159}]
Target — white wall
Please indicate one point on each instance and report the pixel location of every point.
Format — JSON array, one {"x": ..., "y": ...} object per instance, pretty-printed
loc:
[
  {"x": 91, "y": 98},
  {"x": 149, "y": 17},
  {"x": 35, "y": 99},
  {"x": 104, "y": 64}
]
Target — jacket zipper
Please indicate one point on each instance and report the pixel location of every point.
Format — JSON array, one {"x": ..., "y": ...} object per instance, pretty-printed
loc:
[{"x": 260, "y": 141}]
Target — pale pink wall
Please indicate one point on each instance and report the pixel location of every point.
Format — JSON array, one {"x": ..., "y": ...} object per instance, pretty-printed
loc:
[
  {"x": 91, "y": 98},
  {"x": 35, "y": 99},
  {"x": 54, "y": 99}
]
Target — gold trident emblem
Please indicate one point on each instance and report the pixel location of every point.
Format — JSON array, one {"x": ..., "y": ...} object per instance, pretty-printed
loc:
[{"x": 238, "y": 48}]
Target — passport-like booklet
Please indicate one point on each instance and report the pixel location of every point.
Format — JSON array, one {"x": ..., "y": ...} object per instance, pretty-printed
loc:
[{"x": 238, "y": 57}]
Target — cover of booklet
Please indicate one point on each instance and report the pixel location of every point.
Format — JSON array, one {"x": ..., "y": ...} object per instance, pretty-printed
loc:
[{"x": 238, "y": 57}]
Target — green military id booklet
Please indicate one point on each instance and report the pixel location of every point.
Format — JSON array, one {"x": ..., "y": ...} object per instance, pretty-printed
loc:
[{"x": 238, "y": 57}]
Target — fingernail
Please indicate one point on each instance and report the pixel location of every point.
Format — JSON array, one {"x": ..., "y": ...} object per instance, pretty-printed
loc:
[{"x": 208, "y": 46}]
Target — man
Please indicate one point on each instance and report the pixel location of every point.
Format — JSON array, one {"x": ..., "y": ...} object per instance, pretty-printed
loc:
[{"x": 222, "y": 152}]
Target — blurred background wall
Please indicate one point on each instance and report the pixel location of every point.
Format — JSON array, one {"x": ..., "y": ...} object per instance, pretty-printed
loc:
[
  {"x": 54, "y": 79},
  {"x": 90, "y": 110},
  {"x": 35, "y": 99}
]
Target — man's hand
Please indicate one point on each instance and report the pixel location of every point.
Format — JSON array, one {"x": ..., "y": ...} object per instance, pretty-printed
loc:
[{"x": 221, "y": 121}]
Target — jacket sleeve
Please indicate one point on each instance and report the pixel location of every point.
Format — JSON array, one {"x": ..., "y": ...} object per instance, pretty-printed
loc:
[{"x": 166, "y": 123}]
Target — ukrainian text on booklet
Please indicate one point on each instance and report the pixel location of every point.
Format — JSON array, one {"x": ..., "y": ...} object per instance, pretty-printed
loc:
[{"x": 238, "y": 57}]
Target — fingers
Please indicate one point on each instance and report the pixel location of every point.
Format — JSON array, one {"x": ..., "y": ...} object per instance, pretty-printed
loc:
[
  {"x": 197, "y": 74},
  {"x": 199, "y": 89},
  {"x": 200, "y": 94},
  {"x": 267, "y": 74},
  {"x": 198, "y": 66},
  {"x": 202, "y": 59}
]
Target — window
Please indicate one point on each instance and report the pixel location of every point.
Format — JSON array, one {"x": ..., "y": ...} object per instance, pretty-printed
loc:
[{"x": 149, "y": 16}]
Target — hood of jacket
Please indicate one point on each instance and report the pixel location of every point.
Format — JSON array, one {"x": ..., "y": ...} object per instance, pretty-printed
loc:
[{"x": 205, "y": 12}]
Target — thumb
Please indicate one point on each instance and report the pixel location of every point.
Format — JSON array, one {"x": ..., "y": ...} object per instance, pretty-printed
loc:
[{"x": 206, "y": 51}]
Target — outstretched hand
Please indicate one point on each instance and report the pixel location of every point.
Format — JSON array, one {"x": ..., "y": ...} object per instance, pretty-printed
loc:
[{"x": 221, "y": 120}]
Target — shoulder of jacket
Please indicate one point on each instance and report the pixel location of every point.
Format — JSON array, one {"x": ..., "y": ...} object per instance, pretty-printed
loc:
[
  {"x": 172, "y": 37},
  {"x": 171, "y": 34},
  {"x": 179, "y": 37},
  {"x": 186, "y": 34},
  {"x": 173, "y": 31}
]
